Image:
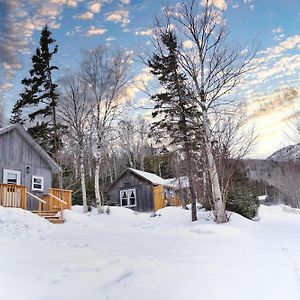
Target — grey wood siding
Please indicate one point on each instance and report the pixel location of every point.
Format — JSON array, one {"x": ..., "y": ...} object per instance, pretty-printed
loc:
[
  {"x": 144, "y": 191},
  {"x": 17, "y": 154}
]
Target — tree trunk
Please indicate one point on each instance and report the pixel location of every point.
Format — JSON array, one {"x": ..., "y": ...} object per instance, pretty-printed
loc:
[
  {"x": 191, "y": 182},
  {"x": 97, "y": 185},
  {"x": 82, "y": 179},
  {"x": 219, "y": 206}
]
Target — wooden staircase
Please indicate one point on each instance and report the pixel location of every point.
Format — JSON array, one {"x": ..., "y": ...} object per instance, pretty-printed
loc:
[{"x": 50, "y": 215}]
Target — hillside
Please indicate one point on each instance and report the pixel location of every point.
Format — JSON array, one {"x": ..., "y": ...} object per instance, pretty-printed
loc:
[
  {"x": 279, "y": 178},
  {"x": 289, "y": 153}
]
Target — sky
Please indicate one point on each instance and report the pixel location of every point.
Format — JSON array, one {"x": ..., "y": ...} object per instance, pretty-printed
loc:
[{"x": 272, "y": 91}]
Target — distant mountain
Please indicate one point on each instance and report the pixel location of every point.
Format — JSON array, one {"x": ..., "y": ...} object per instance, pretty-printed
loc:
[{"x": 289, "y": 153}]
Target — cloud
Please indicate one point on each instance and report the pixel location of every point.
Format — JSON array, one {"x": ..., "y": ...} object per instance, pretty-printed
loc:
[
  {"x": 220, "y": 4},
  {"x": 95, "y": 31},
  {"x": 125, "y": 1},
  {"x": 188, "y": 44},
  {"x": 94, "y": 7},
  {"x": 19, "y": 20},
  {"x": 139, "y": 83},
  {"x": 119, "y": 16},
  {"x": 85, "y": 16},
  {"x": 144, "y": 32},
  {"x": 277, "y": 30},
  {"x": 276, "y": 102},
  {"x": 70, "y": 3}
]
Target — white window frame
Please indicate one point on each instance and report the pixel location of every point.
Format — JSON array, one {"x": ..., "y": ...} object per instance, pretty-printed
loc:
[
  {"x": 128, "y": 197},
  {"x": 32, "y": 184},
  {"x": 5, "y": 173}
]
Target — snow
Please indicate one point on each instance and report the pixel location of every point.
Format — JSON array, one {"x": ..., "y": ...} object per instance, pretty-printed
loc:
[
  {"x": 289, "y": 153},
  {"x": 149, "y": 176},
  {"x": 127, "y": 255}
]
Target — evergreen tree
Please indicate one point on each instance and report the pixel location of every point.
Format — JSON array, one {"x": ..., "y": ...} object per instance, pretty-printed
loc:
[
  {"x": 40, "y": 96},
  {"x": 16, "y": 116},
  {"x": 174, "y": 105}
]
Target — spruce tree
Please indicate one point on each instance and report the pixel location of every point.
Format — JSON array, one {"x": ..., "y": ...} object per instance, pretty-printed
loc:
[
  {"x": 16, "y": 116},
  {"x": 40, "y": 97},
  {"x": 174, "y": 105}
]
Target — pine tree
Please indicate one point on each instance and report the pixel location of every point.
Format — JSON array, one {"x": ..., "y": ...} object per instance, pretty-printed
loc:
[
  {"x": 175, "y": 105},
  {"x": 16, "y": 116},
  {"x": 40, "y": 96}
]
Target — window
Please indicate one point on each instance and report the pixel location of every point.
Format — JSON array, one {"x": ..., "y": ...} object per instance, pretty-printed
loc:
[
  {"x": 128, "y": 198},
  {"x": 11, "y": 176},
  {"x": 37, "y": 183}
]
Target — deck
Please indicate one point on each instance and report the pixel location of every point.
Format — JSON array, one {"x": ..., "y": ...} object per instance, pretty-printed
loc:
[{"x": 52, "y": 202}]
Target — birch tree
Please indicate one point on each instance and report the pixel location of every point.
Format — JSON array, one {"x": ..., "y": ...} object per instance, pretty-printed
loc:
[
  {"x": 212, "y": 66},
  {"x": 105, "y": 72},
  {"x": 75, "y": 111}
]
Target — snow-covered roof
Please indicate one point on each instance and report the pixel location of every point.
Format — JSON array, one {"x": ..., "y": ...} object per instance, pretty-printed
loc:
[
  {"x": 177, "y": 183},
  {"x": 153, "y": 178},
  {"x": 262, "y": 197}
]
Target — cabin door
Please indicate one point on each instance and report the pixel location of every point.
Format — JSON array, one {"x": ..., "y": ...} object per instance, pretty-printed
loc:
[
  {"x": 11, "y": 176},
  {"x": 11, "y": 195}
]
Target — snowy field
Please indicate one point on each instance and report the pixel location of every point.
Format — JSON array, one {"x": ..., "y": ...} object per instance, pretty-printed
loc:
[{"x": 135, "y": 256}]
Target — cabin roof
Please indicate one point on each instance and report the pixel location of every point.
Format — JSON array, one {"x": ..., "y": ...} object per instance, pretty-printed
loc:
[
  {"x": 174, "y": 183},
  {"x": 54, "y": 166},
  {"x": 153, "y": 178},
  {"x": 181, "y": 182}
]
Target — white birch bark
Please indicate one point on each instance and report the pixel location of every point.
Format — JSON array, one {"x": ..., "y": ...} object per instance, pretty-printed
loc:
[
  {"x": 82, "y": 180},
  {"x": 219, "y": 205}
]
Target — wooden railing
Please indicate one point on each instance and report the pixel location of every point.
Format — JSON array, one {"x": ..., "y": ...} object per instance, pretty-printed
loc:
[
  {"x": 12, "y": 195},
  {"x": 57, "y": 197}
]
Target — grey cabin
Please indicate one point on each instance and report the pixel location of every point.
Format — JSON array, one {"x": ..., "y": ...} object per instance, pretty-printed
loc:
[
  {"x": 26, "y": 171},
  {"x": 143, "y": 191}
]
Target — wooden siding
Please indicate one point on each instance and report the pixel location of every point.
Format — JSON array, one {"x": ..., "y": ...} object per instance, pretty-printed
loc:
[
  {"x": 17, "y": 154},
  {"x": 158, "y": 196},
  {"x": 144, "y": 191}
]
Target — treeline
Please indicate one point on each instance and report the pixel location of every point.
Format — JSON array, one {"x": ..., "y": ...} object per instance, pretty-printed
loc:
[{"x": 86, "y": 123}]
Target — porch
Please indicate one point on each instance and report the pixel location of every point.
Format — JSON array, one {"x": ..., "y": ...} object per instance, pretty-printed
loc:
[{"x": 52, "y": 202}]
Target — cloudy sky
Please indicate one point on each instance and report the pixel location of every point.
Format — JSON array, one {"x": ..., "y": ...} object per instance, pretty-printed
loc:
[{"x": 272, "y": 92}]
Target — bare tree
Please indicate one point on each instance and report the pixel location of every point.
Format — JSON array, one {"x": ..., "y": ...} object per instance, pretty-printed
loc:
[
  {"x": 75, "y": 111},
  {"x": 212, "y": 66},
  {"x": 232, "y": 141},
  {"x": 133, "y": 135},
  {"x": 105, "y": 72}
]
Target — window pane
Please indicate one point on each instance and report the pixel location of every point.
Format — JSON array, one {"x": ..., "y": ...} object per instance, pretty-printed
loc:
[
  {"x": 37, "y": 183},
  {"x": 12, "y": 178},
  {"x": 132, "y": 198},
  {"x": 37, "y": 180},
  {"x": 124, "y": 198}
]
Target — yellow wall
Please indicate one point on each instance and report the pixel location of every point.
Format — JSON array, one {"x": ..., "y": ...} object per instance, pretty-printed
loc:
[{"x": 158, "y": 197}]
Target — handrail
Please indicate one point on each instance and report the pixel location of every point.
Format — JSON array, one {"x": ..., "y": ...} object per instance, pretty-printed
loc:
[
  {"x": 36, "y": 197},
  {"x": 61, "y": 205},
  {"x": 62, "y": 201},
  {"x": 40, "y": 202}
]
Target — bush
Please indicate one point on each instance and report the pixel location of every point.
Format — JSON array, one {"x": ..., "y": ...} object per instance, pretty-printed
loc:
[{"x": 242, "y": 197}]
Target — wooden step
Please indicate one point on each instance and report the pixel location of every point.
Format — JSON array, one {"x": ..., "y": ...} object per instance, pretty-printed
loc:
[
  {"x": 56, "y": 221},
  {"x": 50, "y": 216},
  {"x": 46, "y": 212}
]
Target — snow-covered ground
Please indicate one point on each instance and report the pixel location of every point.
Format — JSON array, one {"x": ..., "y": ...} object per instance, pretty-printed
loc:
[{"x": 134, "y": 256}]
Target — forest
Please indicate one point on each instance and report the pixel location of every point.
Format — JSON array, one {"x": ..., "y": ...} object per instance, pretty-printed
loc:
[{"x": 89, "y": 123}]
